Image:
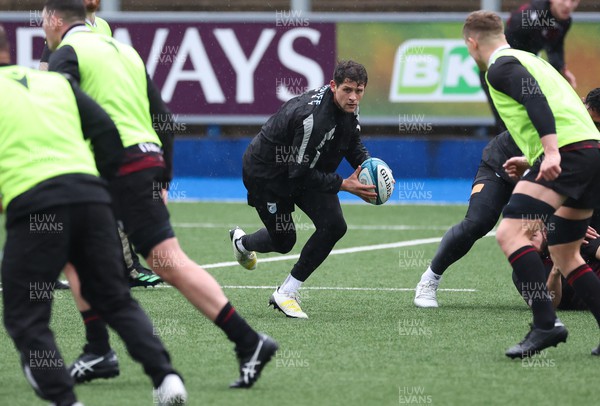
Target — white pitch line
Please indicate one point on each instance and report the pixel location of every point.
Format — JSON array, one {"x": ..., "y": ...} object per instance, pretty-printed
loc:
[
  {"x": 343, "y": 251},
  {"x": 331, "y": 288},
  {"x": 348, "y": 288},
  {"x": 398, "y": 227},
  {"x": 363, "y": 248},
  {"x": 322, "y": 288},
  {"x": 336, "y": 252}
]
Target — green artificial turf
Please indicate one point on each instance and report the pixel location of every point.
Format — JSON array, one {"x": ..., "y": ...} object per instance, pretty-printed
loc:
[{"x": 358, "y": 347}]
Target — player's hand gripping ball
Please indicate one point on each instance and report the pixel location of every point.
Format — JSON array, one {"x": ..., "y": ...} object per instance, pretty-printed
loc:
[{"x": 376, "y": 172}]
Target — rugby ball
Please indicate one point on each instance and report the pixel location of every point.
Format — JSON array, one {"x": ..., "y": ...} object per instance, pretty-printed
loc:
[{"x": 376, "y": 172}]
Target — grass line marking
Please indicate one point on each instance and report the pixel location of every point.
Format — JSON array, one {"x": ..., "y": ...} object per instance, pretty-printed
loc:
[
  {"x": 392, "y": 227},
  {"x": 363, "y": 248},
  {"x": 341, "y": 288},
  {"x": 335, "y": 252}
]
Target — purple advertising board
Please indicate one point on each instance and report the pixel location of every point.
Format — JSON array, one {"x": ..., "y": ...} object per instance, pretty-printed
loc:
[{"x": 209, "y": 72}]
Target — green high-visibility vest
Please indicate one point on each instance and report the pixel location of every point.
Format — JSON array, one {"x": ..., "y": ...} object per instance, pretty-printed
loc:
[
  {"x": 100, "y": 27},
  {"x": 114, "y": 75},
  {"x": 40, "y": 131},
  {"x": 573, "y": 123}
]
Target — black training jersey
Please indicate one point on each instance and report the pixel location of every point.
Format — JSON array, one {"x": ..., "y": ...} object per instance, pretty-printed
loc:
[
  {"x": 497, "y": 151},
  {"x": 303, "y": 144},
  {"x": 533, "y": 28}
]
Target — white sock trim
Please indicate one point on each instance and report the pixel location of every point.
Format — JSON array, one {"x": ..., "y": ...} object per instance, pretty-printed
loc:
[
  {"x": 429, "y": 275},
  {"x": 290, "y": 285}
]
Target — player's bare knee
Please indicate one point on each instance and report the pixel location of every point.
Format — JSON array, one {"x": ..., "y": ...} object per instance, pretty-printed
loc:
[
  {"x": 566, "y": 256},
  {"x": 168, "y": 261},
  {"x": 503, "y": 234},
  {"x": 167, "y": 272},
  {"x": 164, "y": 273}
]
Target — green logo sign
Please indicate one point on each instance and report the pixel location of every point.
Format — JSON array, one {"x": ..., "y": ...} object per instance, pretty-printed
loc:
[{"x": 435, "y": 70}]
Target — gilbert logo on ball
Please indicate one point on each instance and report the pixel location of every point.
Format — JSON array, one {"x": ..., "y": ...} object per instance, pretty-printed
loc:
[{"x": 376, "y": 172}]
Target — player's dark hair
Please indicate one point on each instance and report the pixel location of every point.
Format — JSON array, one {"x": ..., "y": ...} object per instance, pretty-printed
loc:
[
  {"x": 592, "y": 100},
  {"x": 350, "y": 70},
  {"x": 3, "y": 39},
  {"x": 69, "y": 10}
]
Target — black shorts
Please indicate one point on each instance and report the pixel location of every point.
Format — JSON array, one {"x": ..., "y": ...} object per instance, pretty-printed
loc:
[
  {"x": 138, "y": 205},
  {"x": 489, "y": 187},
  {"x": 580, "y": 176},
  {"x": 266, "y": 197}
]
